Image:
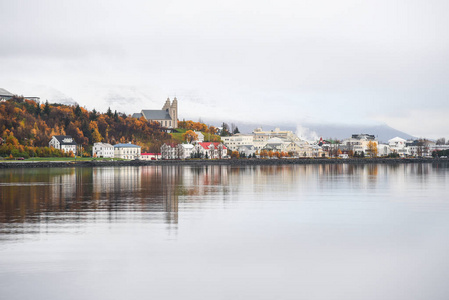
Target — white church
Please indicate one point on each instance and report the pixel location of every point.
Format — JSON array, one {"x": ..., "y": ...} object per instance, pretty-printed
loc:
[{"x": 167, "y": 116}]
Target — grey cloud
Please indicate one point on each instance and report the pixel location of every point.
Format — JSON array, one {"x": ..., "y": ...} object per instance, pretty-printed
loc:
[{"x": 321, "y": 61}]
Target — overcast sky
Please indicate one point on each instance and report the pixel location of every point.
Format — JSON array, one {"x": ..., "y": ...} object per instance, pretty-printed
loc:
[{"x": 351, "y": 62}]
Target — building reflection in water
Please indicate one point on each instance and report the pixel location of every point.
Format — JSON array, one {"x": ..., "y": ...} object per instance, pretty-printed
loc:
[
  {"x": 27, "y": 195},
  {"x": 155, "y": 193}
]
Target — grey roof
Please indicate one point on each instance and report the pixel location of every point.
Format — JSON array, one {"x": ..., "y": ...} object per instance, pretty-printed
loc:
[
  {"x": 275, "y": 140},
  {"x": 4, "y": 92},
  {"x": 137, "y": 115},
  {"x": 156, "y": 114},
  {"x": 61, "y": 139},
  {"x": 249, "y": 147},
  {"x": 363, "y": 136},
  {"x": 102, "y": 145},
  {"x": 126, "y": 146}
]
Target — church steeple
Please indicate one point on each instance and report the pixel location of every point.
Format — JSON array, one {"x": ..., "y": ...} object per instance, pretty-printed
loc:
[
  {"x": 166, "y": 105},
  {"x": 174, "y": 112}
]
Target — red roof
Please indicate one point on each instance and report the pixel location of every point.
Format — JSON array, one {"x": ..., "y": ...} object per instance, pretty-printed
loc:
[{"x": 206, "y": 145}]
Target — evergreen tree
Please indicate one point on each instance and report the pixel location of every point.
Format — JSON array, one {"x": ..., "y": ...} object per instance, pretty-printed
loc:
[
  {"x": 93, "y": 115},
  {"x": 38, "y": 109},
  {"x": 109, "y": 112},
  {"x": 77, "y": 110},
  {"x": 47, "y": 108},
  {"x": 236, "y": 130},
  {"x": 225, "y": 129}
]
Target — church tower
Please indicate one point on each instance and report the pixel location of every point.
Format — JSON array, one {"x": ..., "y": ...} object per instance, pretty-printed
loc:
[
  {"x": 166, "y": 105},
  {"x": 174, "y": 112},
  {"x": 172, "y": 109}
]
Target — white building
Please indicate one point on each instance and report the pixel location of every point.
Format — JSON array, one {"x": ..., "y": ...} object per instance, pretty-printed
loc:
[
  {"x": 186, "y": 150},
  {"x": 235, "y": 141},
  {"x": 276, "y": 144},
  {"x": 150, "y": 156},
  {"x": 200, "y": 136},
  {"x": 167, "y": 116},
  {"x": 383, "y": 150},
  {"x": 5, "y": 95},
  {"x": 247, "y": 150},
  {"x": 398, "y": 145},
  {"x": 103, "y": 150},
  {"x": 127, "y": 151},
  {"x": 63, "y": 142},
  {"x": 301, "y": 149},
  {"x": 212, "y": 150},
  {"x": 180, "y": 151},
  {"x": 359, "y": 143},
  {"x": 260, "y": 137},
  {"x": 170, "y": 151}
]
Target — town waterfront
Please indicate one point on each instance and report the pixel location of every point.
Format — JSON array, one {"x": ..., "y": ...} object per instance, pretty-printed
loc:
[{"x": 309, "y": 231}]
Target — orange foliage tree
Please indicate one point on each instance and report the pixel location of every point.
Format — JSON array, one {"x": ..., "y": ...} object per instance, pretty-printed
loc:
[
  {"x": 31, "y": 124},
  {"x": 190, "y": 136}
]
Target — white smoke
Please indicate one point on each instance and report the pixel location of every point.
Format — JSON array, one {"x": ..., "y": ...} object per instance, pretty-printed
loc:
[{"x": 306, "y": 134}]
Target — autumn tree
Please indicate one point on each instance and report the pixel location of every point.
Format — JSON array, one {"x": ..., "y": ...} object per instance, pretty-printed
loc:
[
  {"x": 34, "y": 130},
  {"x": 190, "y": 136},
  {"x": 11, "y": 139},
  {"x": 212, "y": 130},
  {"x": 372, "y": 148}
]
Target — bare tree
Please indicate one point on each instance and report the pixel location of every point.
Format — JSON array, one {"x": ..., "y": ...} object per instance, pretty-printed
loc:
[
  {"x": 420, "y": 147},
  {"x": 233, "y": 127},
  {"x": 220, "y": 151},
  {"x": 165, "y": 151},
  {"x": 441, "y": 141},
  {"x": 179, "y": 151}
]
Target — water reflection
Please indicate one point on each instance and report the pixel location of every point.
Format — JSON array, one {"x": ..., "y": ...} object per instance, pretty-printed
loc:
[
  {"x": 103, "y": 194},
  {"x": 221, "y": 232}
]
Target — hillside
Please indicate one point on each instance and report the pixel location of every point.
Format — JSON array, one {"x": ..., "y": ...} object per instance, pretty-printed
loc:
[
  {"x": 209, "y": 132},
  {"x": 27, "y": 123}
]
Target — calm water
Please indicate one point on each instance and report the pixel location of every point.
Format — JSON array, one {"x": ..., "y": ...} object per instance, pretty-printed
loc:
[{"x": 220, "y": 232}]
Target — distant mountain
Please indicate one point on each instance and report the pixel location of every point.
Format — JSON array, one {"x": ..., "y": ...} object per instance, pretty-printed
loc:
[
  {"x": 52, "y": 95},
  {"x": 382, "y": 132}
]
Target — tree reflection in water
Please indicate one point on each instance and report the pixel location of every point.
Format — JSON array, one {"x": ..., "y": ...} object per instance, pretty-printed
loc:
[{"x": 80, "y": 194}]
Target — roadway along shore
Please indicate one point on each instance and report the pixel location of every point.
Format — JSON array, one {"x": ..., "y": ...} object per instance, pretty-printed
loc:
[{"x": 209, "y": 162}]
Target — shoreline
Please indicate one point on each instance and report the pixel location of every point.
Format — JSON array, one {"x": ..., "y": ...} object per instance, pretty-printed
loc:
[{"x": 209, "y": 162}]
